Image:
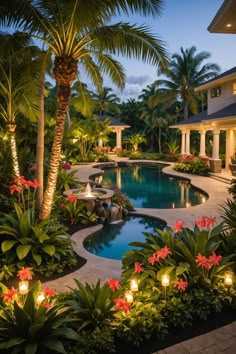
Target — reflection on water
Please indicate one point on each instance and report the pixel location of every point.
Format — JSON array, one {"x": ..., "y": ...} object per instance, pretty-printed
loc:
[
  {"x": 147, "y": 187},
  {"x": 113, "y": 240}
]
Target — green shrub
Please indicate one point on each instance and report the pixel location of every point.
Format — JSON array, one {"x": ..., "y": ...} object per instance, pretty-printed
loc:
[{"x": 197, "y": 166}]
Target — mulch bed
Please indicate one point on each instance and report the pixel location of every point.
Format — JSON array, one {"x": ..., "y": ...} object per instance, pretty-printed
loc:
[{"x": 177, "y": 335}]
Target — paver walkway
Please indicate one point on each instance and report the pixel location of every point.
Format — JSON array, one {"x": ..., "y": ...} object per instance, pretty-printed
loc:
[{"x": 222, "y": 340}]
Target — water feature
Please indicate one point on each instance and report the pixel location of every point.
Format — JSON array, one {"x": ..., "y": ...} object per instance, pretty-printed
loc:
[
  {"x": 113, "y": 240},
  {"x": 147, "y": 187}
]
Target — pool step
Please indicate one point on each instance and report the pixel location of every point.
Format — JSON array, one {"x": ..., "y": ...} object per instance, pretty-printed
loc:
[{"x": 224, "y": 179}]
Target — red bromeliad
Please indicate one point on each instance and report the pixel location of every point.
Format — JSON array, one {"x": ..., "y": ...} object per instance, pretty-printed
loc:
[
  {"x": 178, "y": 226},
  {"x": 25, "y": 274},
  {"x": 181, "y": 284},
  {"x": 138, "y": 267},
  {"x": 113, "y": 284},
  {"x": 9, "y": 295},
  {"x": 121, "y": 304}
]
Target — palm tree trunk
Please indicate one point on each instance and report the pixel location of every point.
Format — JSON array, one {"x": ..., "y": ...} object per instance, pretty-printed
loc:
[
  {"x": 185, "y": 110},
  {"x": 63, "y": 98},
  {"x": 40, "y": 143},
  {"x": 159, "y": 139},
  {"x": 15, "y": 163}
]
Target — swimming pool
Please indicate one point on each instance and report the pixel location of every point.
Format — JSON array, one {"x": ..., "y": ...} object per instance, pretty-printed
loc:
[
  {"x": 114, "y": 238},
  {"x": 147, "y": 187}
]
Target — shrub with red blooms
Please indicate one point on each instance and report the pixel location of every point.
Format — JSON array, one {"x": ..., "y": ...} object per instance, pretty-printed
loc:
[
  {"x": 65, "y": 166},
  {"x": 26, "y": 195}
]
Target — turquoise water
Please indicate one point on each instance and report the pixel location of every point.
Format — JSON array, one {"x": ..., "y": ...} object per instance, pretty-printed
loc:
[
  {"x": 147, "y": 187},
  {"x": 113, "y": 240}
]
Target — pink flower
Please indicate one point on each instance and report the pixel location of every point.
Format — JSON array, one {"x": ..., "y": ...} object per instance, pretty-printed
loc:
[
  {"x": 9, "y": 295},
  {"x": 72, "y": 198},
  {"x": 66, "y": 166},
  {"x": 14, "y": 188},
  {"x": 181, "y": 284},
  {"x": 24, "y": 273},
  {"x": 19, "y": 179},
  {"x": 48, "y": 293},
  {"x": 214, "y": 259},
  {"x": 121, "y": 304},
  {"x": 113, "y": 284},
  {"x": 62, "y": 205},
  {"x": 178, "y": 226},
  {"x": 138, "y": 267},
  {"x": 35, "y": 183},
  {"x": 153, "y": 259}
]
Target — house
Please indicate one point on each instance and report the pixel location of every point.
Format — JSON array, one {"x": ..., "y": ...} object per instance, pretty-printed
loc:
[{"x": 221, "y": 96}]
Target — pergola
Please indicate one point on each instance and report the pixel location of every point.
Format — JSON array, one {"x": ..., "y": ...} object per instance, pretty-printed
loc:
[{"x": 116, "y": 126}]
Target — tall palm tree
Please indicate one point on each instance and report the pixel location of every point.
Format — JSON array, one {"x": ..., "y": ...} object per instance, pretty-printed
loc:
[
  {"x": 185, "y": 72},
  {"x": 76, "y": 32},
  {"x": 18, "y": 82}
]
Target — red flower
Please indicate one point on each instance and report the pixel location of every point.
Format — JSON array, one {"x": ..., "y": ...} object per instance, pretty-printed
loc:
[
  {"x": 9, "y": 295},
  {"x": 214, "y": 259},
  {"x": 181, "y": 284},
  {"x": 46, "y": 304},
  {"x": 72, "y": 198},
  {"x": 35, "y": 183},
  {"x": 113, "y": 284},
  {"x": 14, "y": 188},
  {"x": 203, "y": 261},
  {"x": 163, "y": 252},
  {"x": 24, "y": 273},
  {"x": 178, "y": 226},
  {"x": 73, "y": 221},
  {"x": 19, "y": 179},
  {"x": 62, "y": 205},
  {"x": 153, "y": 259},
  {"x": 210, "y": 221},
  {"x": 32, "y": 166},
  {"x": 138, "y": 267},
  {"x": 201, "y": 223},
  {"x": 49, "y": 292},
  {"x": 27, "y": 184},
  {"x": 121, "y": 304},
  {"x": 66, "y": 166}
]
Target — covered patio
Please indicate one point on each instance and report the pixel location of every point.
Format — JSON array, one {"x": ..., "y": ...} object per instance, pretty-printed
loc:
[
  {"x": 115, "y": 126},
  {"x": 224, "y": 119}
]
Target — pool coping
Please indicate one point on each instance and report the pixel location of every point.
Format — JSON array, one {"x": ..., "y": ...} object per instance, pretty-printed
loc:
[{"x": 103, "y": 268}]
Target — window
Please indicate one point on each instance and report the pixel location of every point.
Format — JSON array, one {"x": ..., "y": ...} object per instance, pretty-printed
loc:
[
  {"x": 216, "y": 92},
  {"x": 234, "y": 88}
]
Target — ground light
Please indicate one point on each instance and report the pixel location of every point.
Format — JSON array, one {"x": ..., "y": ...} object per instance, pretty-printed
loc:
[
  {"x": 23, "y": 287},
  {"x": 133, "y": 285},
  {"x": 165, "y": 282}
]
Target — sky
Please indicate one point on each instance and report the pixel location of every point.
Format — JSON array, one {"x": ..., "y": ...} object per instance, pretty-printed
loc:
[{"x": 183, "y": 23}]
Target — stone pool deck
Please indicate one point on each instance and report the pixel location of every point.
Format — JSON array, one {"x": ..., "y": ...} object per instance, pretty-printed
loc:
[{"x": 222, "y": 340}]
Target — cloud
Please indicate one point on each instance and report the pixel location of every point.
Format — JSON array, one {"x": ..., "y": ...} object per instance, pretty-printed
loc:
[{"x": 139, "y": 80}]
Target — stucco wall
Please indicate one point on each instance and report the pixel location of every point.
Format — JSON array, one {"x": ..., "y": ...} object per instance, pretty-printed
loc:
[{"x": 225, "y": 99}]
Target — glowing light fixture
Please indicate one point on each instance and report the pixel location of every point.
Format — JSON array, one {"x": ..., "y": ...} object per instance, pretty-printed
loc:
[
  {"x": 133, "y": 285},
  {"x": 23, "y": 287}
]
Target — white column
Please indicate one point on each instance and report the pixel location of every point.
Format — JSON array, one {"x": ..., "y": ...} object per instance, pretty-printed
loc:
[
  {"x": 183, "y": 142},
  {"x": 230, "y": 146},
  {"x": 118, "y": 138},
  {"x": 202, "y": 143},
  {"x": 100, "y": 142},
  {"x": 216, "y": 141},
  {"x": 187, "y": 142}
]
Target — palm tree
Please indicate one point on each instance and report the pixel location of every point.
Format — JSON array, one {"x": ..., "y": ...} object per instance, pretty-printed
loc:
[
  {"x": 18, "y": 82},
  {"x": 135, "y": 140},
  {"x": 106, "y": 101},
  {"x": 76, "y": 32},
  {"x": 185, "y": 72}
]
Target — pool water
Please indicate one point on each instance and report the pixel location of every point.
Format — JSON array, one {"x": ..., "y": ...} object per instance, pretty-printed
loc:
[
  {"x": 113, "y": 240},
  {"x": 147, "y": 187}
]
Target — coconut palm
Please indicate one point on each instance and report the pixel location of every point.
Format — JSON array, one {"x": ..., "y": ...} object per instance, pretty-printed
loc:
[
  {"x": 76, "y": 32},
  {"x": 185, "y": 72},
  {"x": 106, "y": 101},
  {"x": 18, "y": 93}
]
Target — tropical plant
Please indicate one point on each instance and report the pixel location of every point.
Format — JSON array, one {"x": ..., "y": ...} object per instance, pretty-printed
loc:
[
  {"x": 74, "y": 37},
  {"x": 29, "y": 325},
  {"x": 25, "y": 240},
  {"x": 122, "y": 200},
  {"x": 66, "y": 180},
  {"x": 106, "y": 101},
  {"x": 185, "y": 253},
  {"x": 18, "y": 87},
  {"x": 135, "y": 140},
  {"x": 184, "y": 74},
  {"x": 197, "y": 166}
]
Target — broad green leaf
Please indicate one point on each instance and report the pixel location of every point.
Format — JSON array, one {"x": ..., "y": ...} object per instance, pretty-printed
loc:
[
  {"x": 11, "y": 343},
  {"x": 31, "y": 348},
  {"x": 22, "y": 251},
  {"x": 49, "y": 249},
  {"x": 37, "y": 258},
  {"x": 54, "y": 344},
  {"x": 7, "y": 245}
]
